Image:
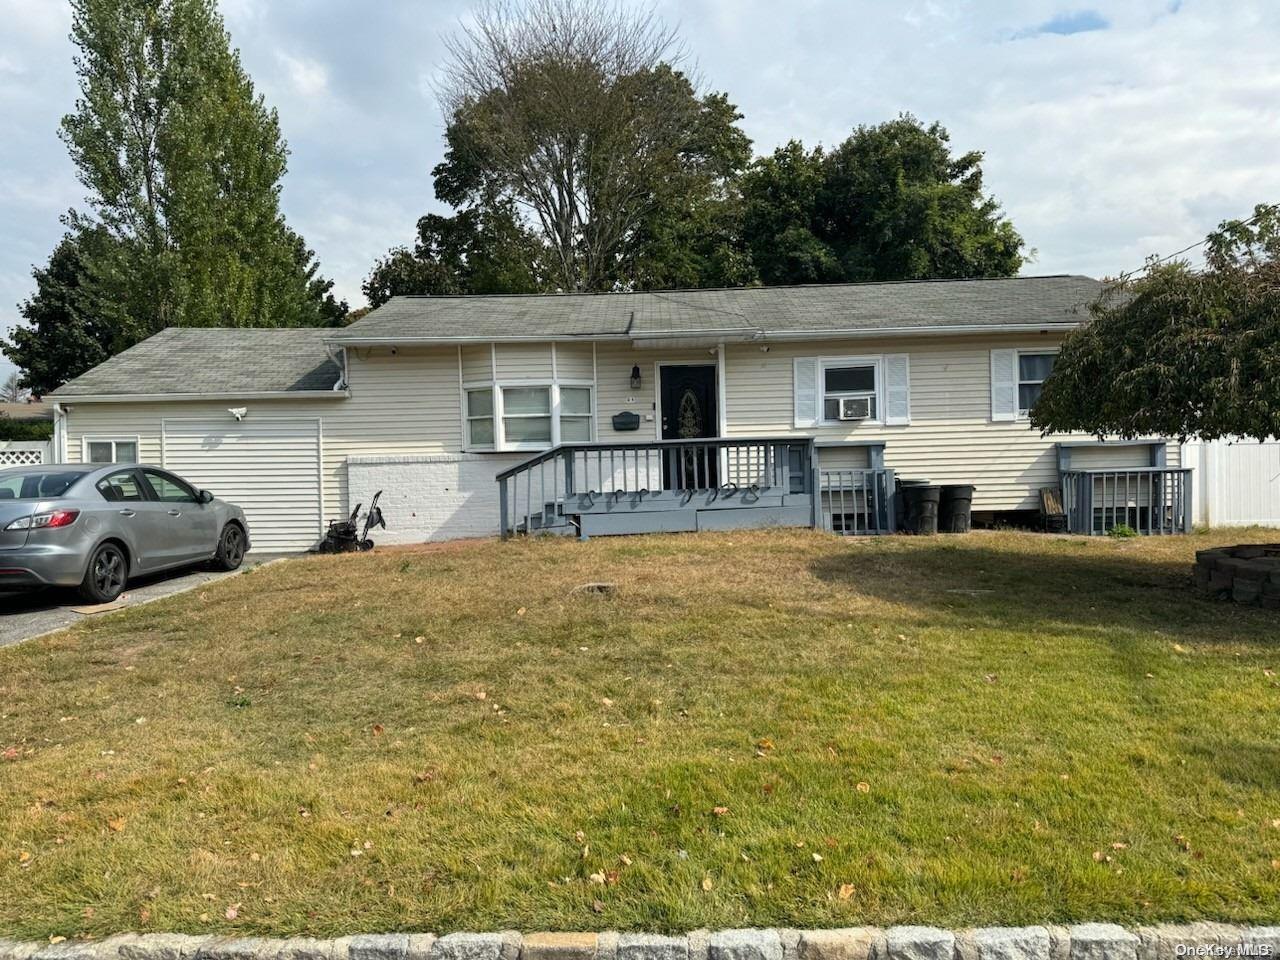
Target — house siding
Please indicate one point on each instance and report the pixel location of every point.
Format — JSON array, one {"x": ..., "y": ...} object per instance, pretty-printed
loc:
[{"x": 408, "y": 404}]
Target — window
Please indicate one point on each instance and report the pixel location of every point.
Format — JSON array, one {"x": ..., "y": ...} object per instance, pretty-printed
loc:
[
  {"x": 480, "y": 417},
  {"x": 36, "y": 486},
  {"x": 842, "y": 379},
  {"x": 121, "y": 487},
  {"x": 526, "y": 415},
  {"x": 575, "y": 414},
  {"x": 111, "y": 451},
  {"x": 169, "y": 489},
  {"x": 1033, "y": 369}
]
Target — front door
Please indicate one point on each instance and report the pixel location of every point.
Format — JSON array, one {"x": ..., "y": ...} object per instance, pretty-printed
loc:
[{"x": 688, "y": 402}]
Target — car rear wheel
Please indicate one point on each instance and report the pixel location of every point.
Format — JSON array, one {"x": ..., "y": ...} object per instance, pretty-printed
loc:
[
  {"x": 107, "y": 574},
  {"x": 230, "y": 547}
]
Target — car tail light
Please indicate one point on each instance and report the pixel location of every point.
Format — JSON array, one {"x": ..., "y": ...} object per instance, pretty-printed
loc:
[{"x": 43, "y": 521}]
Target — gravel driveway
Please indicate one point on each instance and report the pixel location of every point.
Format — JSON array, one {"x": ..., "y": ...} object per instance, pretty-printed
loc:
[{"x": 27, "y": 615}]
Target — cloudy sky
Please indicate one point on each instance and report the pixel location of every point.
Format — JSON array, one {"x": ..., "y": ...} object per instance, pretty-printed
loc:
[{"x": 1112, "y": 130}]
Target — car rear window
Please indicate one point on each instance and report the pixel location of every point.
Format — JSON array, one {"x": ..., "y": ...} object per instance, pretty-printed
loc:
[
  {"x": 121, "y": 487},
  {"x": 37, "y": 486}
]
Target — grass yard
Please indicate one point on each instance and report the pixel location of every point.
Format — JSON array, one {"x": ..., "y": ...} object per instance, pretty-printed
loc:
[{"x": 758, "y": 728}]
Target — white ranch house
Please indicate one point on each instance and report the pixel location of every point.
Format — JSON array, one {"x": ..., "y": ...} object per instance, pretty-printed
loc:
[{"x": 629, "y": 411}]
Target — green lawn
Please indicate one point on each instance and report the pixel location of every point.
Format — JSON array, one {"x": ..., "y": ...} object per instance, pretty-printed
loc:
[{"x": 758, "y": 728}]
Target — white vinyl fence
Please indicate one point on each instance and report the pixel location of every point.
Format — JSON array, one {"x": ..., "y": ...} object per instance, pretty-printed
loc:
[
  {"x": 1237, "y": 482},
  {"x": 21, "y": 453}
]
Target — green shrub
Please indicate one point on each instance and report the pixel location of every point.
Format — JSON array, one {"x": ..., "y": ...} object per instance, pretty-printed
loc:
[
  {"x": 1122, "y": 531},
  {"x": 11, "y": 429}
]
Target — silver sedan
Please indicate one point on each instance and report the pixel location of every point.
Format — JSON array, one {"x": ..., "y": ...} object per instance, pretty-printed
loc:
[{"x": 95, "y": 526}]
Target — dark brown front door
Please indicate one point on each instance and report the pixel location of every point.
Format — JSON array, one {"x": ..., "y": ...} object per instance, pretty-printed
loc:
[{"x": 688, "y": 396}]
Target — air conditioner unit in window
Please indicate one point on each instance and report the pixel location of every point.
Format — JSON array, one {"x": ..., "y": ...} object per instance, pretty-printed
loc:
[{"x": 855, "y": 408}]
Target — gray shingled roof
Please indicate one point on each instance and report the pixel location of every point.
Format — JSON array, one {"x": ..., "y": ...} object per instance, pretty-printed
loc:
[
  {"x": 213, "y": 360},
  {"x": 751, "y": 310}
]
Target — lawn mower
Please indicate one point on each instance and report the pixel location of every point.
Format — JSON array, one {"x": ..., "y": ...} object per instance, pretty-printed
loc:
[{"x": 341, "y": 536}]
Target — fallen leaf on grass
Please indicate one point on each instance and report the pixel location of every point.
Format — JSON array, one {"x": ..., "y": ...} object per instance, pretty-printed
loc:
[
  {"x": 597, "y": 878},
  {"x": 116, "y": 824},
  {"x": 12, "y": 753},
  {"x": 233, "y": 911},
  {"x": 863, "y": 786},
  {"x": 57, "y": 939},
  {"x": 597, "y": 906},
  {"x": 817, "y": 858},
  {"x": 845, "y": 891},
  {"x": 707, "y": 884},
  {"x": 24, "y": 857},
  {"x": 720, "y": 811},
  {"x": 378, "y": 729}
]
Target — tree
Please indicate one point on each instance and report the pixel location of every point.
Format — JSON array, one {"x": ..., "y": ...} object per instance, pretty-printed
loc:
[
  {"x": 183, "y": 163},
  {"x": 571, "y": 114},
  {"x": 12, "y": 391},
  {"x": 67, "y": 330},
  {"x": 889, "y": 203},
  {"x": 478, "y": 250},
  {"x": 1180, "y": 352},
  {"x": 781, "y": 219}
]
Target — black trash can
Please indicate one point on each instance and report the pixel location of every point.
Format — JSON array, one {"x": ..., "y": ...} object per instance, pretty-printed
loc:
[
  {"x": 927, "y": 499},
  {"x": 956, "y": 508},
  {"x": 906, "y": 505}
]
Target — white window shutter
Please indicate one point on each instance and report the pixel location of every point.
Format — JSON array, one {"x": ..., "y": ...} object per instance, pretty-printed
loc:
[
  {"x": 1004, "y": 384},
  {"x": 897, "y": 389},
  {"x": 806, "y": 392}
]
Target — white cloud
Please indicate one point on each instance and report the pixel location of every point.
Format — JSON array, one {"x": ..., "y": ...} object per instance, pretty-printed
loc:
[{"x": 309, "y": 78}]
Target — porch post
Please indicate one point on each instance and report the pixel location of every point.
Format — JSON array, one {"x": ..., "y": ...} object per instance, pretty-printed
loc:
[
  {"x": 502, "y": 508},
  {"x": 814, "y": 484}
]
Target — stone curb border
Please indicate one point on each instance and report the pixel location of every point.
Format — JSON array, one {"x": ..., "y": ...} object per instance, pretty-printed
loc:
[{"x": 1088, "y": 941}]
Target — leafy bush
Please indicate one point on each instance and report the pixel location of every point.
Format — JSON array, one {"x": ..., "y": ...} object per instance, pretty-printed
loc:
[
  {"x": 1122, "y": 531},
  {"x": 11, "y": 429}
]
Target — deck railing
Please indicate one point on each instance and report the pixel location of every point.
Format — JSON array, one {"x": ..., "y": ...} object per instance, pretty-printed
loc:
[
  {"x": 856, "y": 502},
  {"x": 1150, "y": 500},
  {"x": 548, "y": 489}
]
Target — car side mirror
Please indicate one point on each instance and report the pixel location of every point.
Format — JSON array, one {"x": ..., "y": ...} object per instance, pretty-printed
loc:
[{"x": 206, "y": 496}]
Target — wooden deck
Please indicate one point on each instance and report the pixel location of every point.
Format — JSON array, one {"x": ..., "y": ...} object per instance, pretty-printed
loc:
[{"x": 606, "y": 489}]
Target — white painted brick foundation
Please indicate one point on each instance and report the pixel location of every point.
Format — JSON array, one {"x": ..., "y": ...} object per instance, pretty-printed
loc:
[{"x": 444, "y": 497}]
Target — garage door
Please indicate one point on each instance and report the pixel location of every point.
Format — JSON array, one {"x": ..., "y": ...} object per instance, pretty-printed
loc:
[{"x": 271, "y": 468}]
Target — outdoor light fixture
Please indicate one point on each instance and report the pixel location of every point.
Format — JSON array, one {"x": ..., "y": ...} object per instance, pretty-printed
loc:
[{"x": 635, "y": 377}]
